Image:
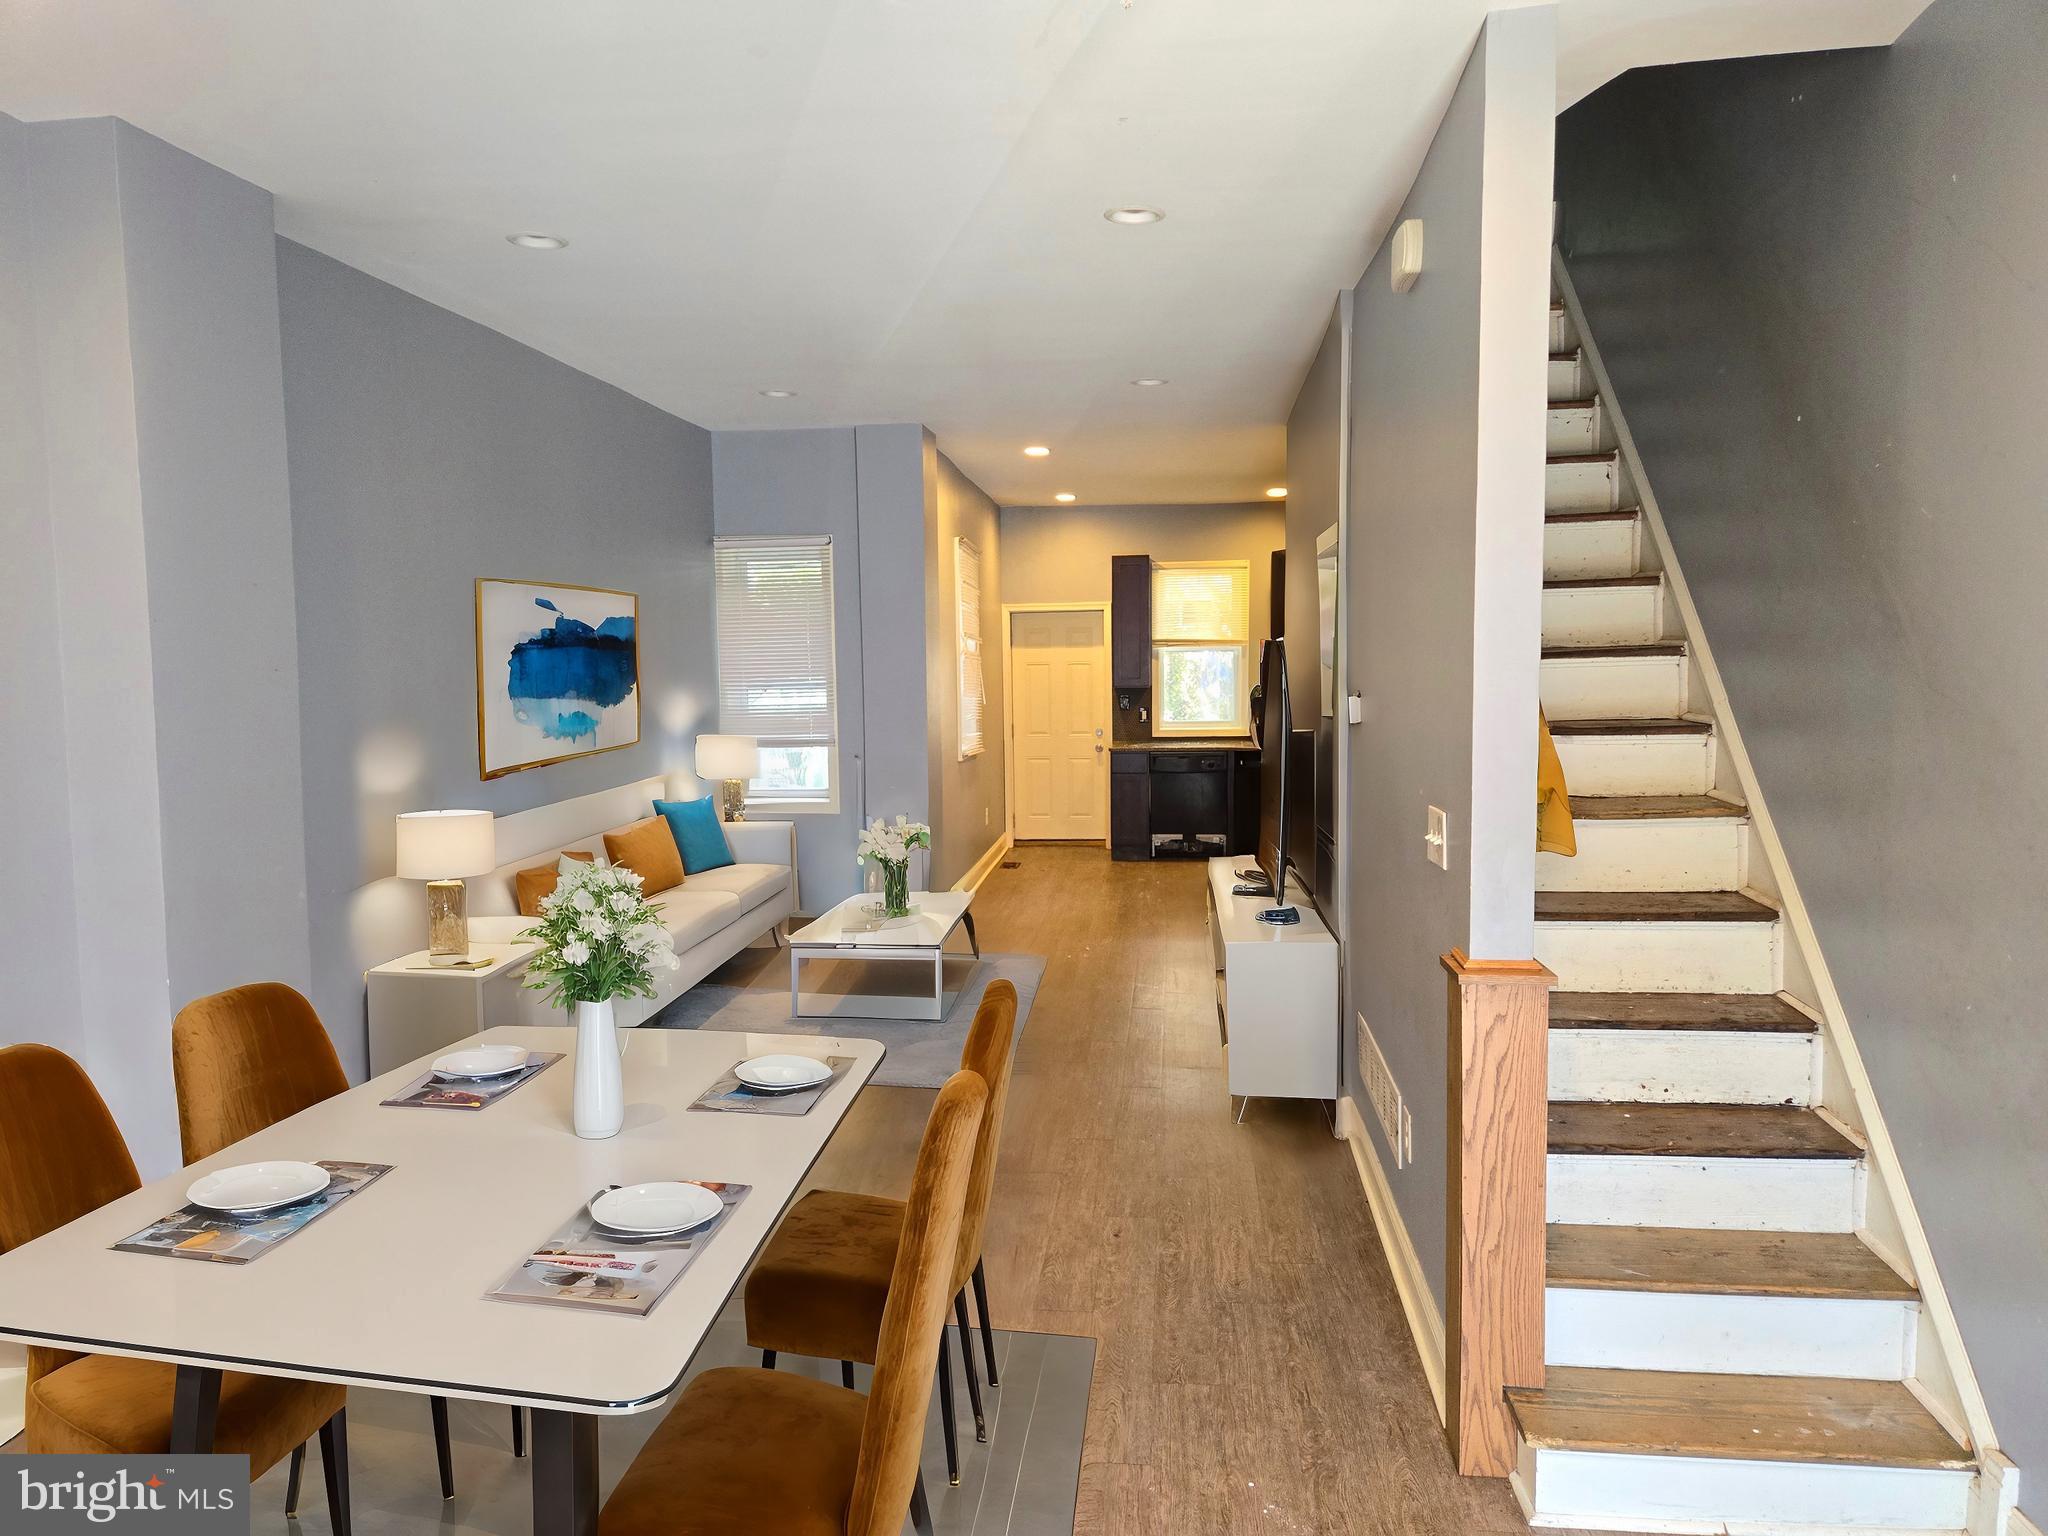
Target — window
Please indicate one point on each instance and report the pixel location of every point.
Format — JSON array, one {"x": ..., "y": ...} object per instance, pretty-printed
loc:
[
  {"x": 1201, "y": 648},
  {"x": 967, "y": 603},
  {"x": 775, "y": 665}
]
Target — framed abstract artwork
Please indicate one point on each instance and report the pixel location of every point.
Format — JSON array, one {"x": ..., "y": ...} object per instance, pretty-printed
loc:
[{"x": 557, "y": 673}]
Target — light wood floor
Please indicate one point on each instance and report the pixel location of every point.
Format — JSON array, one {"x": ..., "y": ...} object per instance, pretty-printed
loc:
[{"x": 1254, "y": 1371}]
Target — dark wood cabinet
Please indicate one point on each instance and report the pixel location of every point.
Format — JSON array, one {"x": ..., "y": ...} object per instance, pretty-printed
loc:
[
  {"x": 1130, "y": 621},
  {"x": 1130, "y": 805}
]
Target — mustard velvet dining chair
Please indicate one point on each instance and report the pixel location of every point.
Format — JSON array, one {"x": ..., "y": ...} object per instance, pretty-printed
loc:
[
  {"x": 822, "y": 1284},
  {"x": 245, "y": 1059},
  {"x": 62, "y": 1156},
  {"x": 756, "y": 1452}
]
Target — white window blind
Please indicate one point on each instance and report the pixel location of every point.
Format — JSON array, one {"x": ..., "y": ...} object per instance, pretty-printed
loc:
[
  {"x": 967, "y": 602},
  {"x": 1202, "y": 603},
  {"x": 776, "y": 678},
  {"x": 1201, "y": 648}
]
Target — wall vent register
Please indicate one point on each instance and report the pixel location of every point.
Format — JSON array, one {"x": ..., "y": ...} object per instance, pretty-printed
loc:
[{"x": 1385, "y": 1098}]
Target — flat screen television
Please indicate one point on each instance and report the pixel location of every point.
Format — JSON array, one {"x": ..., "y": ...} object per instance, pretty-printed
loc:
[{"x": 1277, "y": 772}]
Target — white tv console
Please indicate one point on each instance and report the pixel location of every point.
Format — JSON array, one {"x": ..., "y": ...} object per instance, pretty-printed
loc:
[{"x": 1276, "y": 992}]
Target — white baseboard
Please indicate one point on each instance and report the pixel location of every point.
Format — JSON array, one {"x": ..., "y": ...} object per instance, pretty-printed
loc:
[
  {"x": 13, "y": 1384},
  {"x": 984, "y": 866},
  {"x": 1425, "y": 1322}
]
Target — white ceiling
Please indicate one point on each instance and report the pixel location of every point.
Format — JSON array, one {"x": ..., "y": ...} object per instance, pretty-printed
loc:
[{"x": 893, "y": 207}]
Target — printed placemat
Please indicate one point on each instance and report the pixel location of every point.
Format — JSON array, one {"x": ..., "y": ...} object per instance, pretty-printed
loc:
[
  {"x": 582, "y": 1265},
  {"x": 732, "y": 1095},
  {"x": 192, "y": 1232},
  {"x": 430, "y": 1092}
]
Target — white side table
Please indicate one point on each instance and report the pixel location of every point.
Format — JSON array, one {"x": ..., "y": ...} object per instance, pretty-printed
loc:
[{"x": 417, "y": 1008}]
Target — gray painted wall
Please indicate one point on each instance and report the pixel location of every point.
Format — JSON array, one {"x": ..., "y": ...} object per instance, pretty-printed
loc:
[
  {"x": 1816, "y": 281},
  {"x": 426, "y": 451},
  {"x": 1443, "y": 577},
  {"x": 1061, "y": 554},
  {"x": 969, "y": 811},
  {"x": 158, "y": 559}
]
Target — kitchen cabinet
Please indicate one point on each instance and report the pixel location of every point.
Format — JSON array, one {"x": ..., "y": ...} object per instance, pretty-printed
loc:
[
  {"x": 1130, "y": 805},
  {"x": 1130, "y": 621}
]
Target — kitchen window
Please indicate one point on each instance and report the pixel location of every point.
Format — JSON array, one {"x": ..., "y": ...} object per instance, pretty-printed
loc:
[
  {"x": 776, "y": 676},
  {"x": 1201, "y": 648}
]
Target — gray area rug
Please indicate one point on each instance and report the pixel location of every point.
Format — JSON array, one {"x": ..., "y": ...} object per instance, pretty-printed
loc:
[{"x": 751, "y": 995}]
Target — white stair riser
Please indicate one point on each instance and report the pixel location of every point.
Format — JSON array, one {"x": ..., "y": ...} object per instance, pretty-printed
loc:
[
  {"x": 1602, "y": 615},
  {"x": 1660, "y": 957},
  {"x": 1604, "y": 687},
  {"x": 1683, "y": 853},
  {"x": 1711, "y": 1496},
  {"x": 1578, "y": 550},
  {"x": 1752, "y": 1194},
  {"x": 1830, "y": 1336},
  {"x": 1573, "y": 428},
  {"x": 1569, "y": 379},
  {"x": 1635, "y": 765},
  {"x": 1564, "y": 337},
  {"x": 1683, "y": 1066},
  {"x": 1582, "y": 487}
]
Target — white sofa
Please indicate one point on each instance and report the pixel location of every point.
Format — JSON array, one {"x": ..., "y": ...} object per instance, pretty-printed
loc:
[{"x": 712, "y": 915}]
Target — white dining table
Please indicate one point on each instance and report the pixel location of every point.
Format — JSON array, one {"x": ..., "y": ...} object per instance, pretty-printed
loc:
[{"x": 389, "y": 1288}]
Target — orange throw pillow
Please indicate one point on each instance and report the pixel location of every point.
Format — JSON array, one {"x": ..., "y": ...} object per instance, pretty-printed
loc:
[
  {"x": 648, "y": 848},
  {"x": 534, "y": 886}
]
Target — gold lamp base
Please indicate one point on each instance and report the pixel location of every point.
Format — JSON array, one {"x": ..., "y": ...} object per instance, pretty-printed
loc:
[
  {"x": 447, "y": 923},
  {"x": 734, "y": 793}
]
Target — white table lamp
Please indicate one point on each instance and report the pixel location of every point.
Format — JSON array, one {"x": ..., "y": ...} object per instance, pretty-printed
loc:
[
  {"x": 732, "y": 760},
  {"x": 441, "y": 848}
]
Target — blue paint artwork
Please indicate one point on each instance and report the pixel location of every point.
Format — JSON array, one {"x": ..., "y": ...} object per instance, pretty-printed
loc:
[{"x": 561, "y": 679}]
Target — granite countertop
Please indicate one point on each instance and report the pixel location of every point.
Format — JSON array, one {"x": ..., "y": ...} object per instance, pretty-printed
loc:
[{"x": 1187, "y": 744}]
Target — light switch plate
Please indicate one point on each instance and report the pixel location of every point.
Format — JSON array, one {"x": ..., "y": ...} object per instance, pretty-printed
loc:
[{"x": 1437, "y": 840}]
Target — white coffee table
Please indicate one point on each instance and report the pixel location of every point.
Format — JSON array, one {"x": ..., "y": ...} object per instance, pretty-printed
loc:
[{"x": 898, "y": 956}]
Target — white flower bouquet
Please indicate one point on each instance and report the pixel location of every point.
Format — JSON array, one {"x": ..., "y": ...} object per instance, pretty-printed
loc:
[
  {"x": 599, "y": 939},
  {"x": 889, "y": 843}
]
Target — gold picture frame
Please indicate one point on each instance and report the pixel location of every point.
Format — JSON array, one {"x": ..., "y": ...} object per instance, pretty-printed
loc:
[{"x": 518, "y": 725}]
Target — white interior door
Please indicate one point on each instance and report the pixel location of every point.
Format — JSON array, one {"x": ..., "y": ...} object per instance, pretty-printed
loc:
[{"x": 1059, "y": 733}]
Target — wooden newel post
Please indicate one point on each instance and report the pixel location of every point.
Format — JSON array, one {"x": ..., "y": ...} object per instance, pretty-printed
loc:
[{"x": 1499, "y": 1109}]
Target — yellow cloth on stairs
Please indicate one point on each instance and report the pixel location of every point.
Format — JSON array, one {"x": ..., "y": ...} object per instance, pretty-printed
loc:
[{"x": 1554, "y": 832}]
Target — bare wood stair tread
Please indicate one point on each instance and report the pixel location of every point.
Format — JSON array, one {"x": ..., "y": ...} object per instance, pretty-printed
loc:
[
  {"x": 1594, "y": 583},
  {"x": 1696, "y": 1130},
  {"x": 1749, "y": 1012},
  {"x": 1611, "y": 456},
  {"x": 1595, "y": 515},
  {"x": 1747, "y": 1418},
  {"x": 1628, "y": 725},
  {"x": 1653, "y": 808},
  {"x": 1568, "y": 357},
  {"x": 1707, "y": 1261},
  {"x": 1596, "y": 652},
  {"x": 1651, "y": 907},
  {"x": 1571, "y": 405}
]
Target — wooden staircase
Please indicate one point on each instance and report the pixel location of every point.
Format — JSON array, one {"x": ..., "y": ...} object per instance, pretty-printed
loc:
[{"x": 1725, "y": 1351}]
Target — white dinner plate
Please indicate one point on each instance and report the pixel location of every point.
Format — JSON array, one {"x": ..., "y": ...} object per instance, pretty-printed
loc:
[
  {"x": 257, "y": 1186},
  {"x": 481, "y": 1061},
  {"x": 650, "y": 1209},
  {"x": 782, "y": 1072}
]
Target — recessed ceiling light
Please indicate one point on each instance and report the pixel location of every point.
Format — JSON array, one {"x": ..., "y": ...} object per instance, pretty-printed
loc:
[
  {"x": 1062, "y": 495},
  {"x": 778, "y": 394},
  {"x": 1148, "y": 383},
  {"x": 1133, "y": 215},
  {"x": 1037, "y": 451},
  {"x": 1277, "y": 492},
  {"x": 538, "y": 242}
]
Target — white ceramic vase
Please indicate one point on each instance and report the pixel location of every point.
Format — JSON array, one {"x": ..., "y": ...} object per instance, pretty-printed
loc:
[{"x": 600, "y": 1088}]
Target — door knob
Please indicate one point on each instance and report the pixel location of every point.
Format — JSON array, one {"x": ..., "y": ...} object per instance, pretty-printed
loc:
[{"x": 1098, "y": 746}]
